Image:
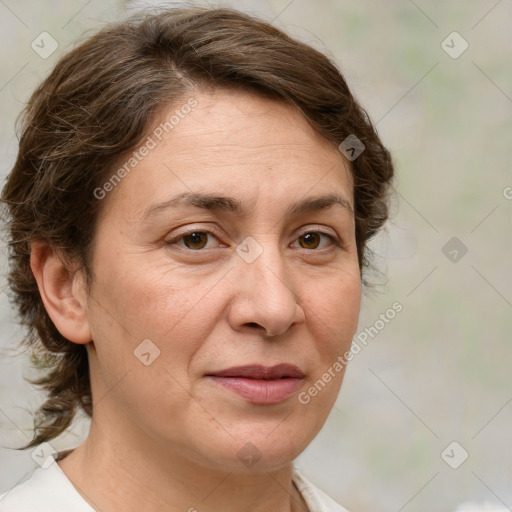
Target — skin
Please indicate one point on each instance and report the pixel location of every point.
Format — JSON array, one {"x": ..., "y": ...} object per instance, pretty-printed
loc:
[{"x": 164, "y": 436}]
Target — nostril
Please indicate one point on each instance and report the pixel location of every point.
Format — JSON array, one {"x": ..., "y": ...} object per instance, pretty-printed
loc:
[{"x": 254, "y": 324}]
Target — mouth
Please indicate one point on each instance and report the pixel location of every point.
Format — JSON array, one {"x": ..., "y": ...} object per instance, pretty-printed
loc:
[{"x": 260, "y": 384}]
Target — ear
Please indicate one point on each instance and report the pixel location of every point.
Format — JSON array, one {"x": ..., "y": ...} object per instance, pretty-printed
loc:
[{"x": 64, "y": 296}]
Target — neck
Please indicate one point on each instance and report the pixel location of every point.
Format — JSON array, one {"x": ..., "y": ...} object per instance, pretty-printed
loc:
[{"x": 138, "y": 475}]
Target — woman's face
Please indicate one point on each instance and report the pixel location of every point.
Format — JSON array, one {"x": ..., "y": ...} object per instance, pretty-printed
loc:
[{"x": 185, "y": 289}]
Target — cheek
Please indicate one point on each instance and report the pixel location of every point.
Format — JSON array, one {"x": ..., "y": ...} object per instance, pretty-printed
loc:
[
  {"x": 133, "y": 302},
  {"x": 334, "y": 310},
  {"x": 135, "y": 296},
  {"x": 145, "y": 335},
  {"x": 334, "y": 314}
]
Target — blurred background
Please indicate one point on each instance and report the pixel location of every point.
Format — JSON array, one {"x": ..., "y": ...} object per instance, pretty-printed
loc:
[{"x": 423, "y": 420}]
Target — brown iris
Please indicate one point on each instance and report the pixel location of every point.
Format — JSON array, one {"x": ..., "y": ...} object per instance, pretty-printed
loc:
[
  {"x": 310, "y": 238},
  {"x": 198, "y": 239}
]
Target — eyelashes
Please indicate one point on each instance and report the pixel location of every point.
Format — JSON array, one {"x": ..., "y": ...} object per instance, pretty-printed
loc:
[
  {"x": 196, "y": 240},
  {"x": 318, "y": 233}
]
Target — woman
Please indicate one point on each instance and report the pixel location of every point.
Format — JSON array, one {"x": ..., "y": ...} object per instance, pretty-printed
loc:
[{"x": 189, "y": 212}]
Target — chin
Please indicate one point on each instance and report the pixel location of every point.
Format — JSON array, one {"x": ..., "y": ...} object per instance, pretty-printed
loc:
[{"x": 257, "y": 451}]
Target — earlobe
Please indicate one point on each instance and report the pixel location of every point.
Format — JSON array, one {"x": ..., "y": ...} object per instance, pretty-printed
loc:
[{"x": 64, "y": 298}]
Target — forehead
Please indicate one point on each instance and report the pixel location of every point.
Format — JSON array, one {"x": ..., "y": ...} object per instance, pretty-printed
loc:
[
  {"x": 239, "y": 123},
  {"x": 230, "y": 141}
]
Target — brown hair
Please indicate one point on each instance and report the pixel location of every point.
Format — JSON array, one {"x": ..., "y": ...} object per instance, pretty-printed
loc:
[{"x": 99, "y": 102}]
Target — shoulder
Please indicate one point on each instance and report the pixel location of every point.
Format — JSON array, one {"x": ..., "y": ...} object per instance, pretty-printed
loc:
[
  {"x": 315, "y": 498},
  {"x": 47, "y": 490}
]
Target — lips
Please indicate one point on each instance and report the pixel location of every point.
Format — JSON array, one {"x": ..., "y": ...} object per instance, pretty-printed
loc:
[
  {"x": 260, "y": 384},
  {"x": 256, "y": 371}
]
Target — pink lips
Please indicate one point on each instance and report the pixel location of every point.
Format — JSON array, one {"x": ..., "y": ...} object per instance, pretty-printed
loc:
[{"x": 261, "y": 384}]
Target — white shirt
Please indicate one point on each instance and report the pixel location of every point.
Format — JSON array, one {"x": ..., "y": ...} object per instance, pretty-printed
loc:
[{"x": 49, "y": 490}]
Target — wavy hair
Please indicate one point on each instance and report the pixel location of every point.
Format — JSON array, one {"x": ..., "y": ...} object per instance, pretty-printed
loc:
[{"x": 99, "y": 102}]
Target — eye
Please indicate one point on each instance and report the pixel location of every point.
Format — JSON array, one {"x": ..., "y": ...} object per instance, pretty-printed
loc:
[
  {"x": 196, "y": 240},
  {"x": 312, "y": 240},
  {"x": 193, "y": 240}
]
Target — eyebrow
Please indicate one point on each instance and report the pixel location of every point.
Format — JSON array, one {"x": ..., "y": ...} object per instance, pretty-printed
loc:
[{"x": 216, "y": 203}]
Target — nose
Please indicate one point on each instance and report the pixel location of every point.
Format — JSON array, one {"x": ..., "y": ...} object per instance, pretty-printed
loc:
[{"x": 265, "y": 297}]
